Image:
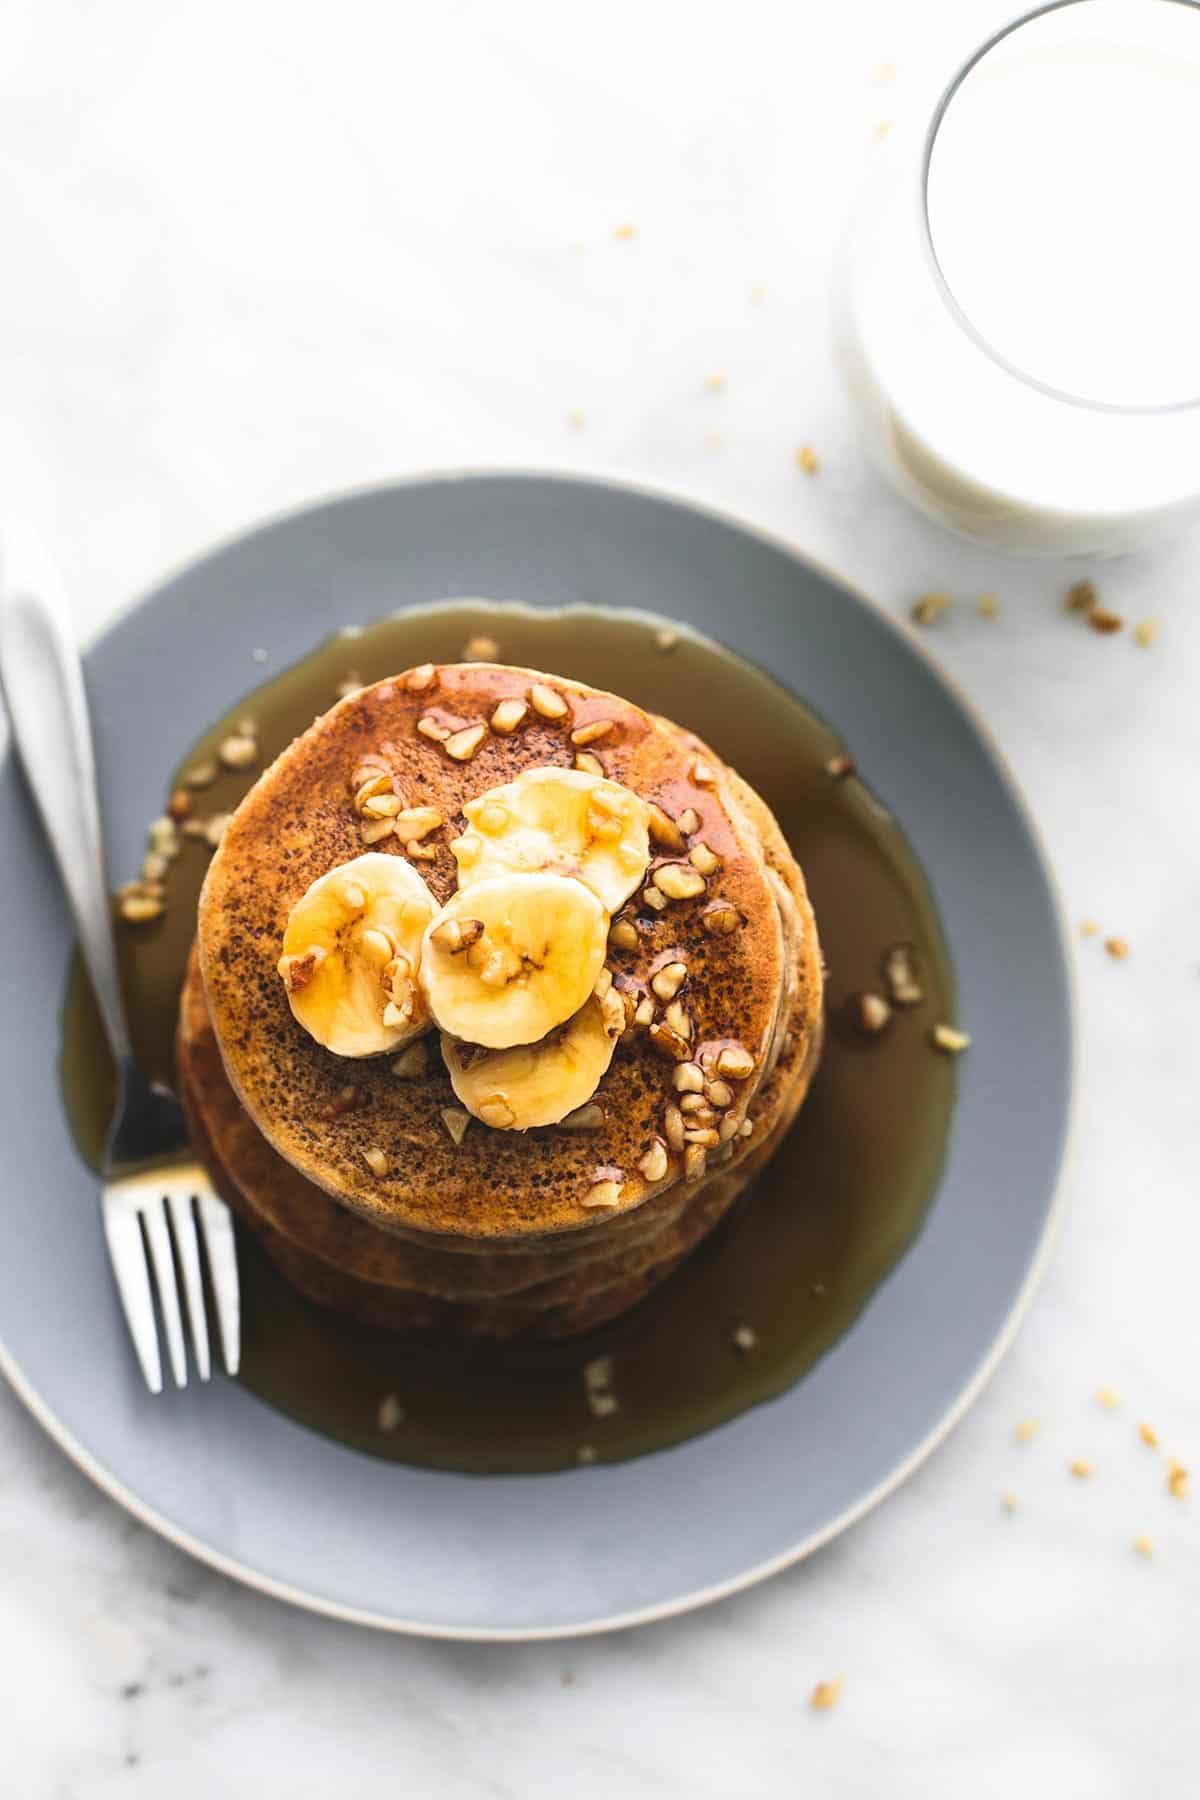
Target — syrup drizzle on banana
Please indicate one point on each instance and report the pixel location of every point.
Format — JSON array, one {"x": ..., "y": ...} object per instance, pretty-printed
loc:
[{"x": 510, "y": 970}]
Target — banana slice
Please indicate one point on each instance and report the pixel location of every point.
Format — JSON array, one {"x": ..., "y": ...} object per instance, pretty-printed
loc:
[
  {"x": 559, "y": 819},
  {"x": 351, "y": 952},
  {"x": 538, "y": 1084},
  {"x": 508, "y": 959}
]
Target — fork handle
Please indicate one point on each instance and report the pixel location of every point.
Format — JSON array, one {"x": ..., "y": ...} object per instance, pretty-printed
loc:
[{"x": 47, "y": 701}]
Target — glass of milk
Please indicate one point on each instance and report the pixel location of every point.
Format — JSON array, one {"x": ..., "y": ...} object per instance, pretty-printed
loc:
[{"x": 1017, "y": 305}]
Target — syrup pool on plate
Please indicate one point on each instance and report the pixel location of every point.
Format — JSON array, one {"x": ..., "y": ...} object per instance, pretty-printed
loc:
[{"x": 800, "y": 1255}]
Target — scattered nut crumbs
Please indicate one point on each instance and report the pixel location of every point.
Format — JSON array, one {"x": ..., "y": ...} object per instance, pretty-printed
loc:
[
  {"x": 1027, "y": 1430},
  {"x": 1009, "y": 1502},
  {"x": 1118, "y": 948},
  {"x": 625, "y": 232},
  {"x": 391, "y": 1413},
  {"x": 758, "y": 292},
  {"x": 1080, "y": 1468},
  {"x": 928, "y": 609},
  {"x": 260, "y": 656},
  {"x": 713, "y": 440},
  {"x": 885, "y": 72},
  {"x": 826, "y": 1694},
  {"x": 1081, "y": 597},
  {"x": 567, "y": 1678},
  {"x": 946, "y": 1038},
  {"x": 1089, "y": 929},
  {"x": 1143, "y": 1545},
  {"x": 1177, "y": 1480},
  {"x": 352, "y": 684},
  {"x": 837, "y": 766},
  {"x": 1145, "y": 632},
  {"x": 481, "y": 648},
  {"x": 713, "y": 384},
  {"x": 586, "y": 1453},
  {"x": 745, "y": 1337},
  {"x": 807, "y": 459},
  {"x": 987, "y": 606},
  {"x": 1108, "y": 1398},
  {"x": 576, "y": 419},
  {"x": 1148, "y": 1435},
  {"x": 882, "y": 129}
]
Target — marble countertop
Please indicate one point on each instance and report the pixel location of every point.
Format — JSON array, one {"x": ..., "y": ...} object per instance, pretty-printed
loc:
[{"x": 255, "y": 254}]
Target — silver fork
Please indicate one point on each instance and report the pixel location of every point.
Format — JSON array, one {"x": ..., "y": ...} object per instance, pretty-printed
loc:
[{"x": 155, "y": 1194}]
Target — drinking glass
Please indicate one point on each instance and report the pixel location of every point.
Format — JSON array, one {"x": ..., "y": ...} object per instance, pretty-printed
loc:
[{"x": 1017, "y": 299}]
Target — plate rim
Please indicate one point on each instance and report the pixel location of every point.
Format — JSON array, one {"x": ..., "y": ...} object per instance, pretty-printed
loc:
[{"x": 986, "y": 1365}]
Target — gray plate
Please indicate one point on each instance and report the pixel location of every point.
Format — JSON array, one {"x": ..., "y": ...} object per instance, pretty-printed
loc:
[{"x": 264, "y": 1499}]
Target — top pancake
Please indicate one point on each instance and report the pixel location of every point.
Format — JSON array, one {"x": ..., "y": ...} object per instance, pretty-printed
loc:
[{"x": 298, "y": 822}]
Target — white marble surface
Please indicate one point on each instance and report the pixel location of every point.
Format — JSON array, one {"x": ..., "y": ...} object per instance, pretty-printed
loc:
[{"x": 255, "y": 253}]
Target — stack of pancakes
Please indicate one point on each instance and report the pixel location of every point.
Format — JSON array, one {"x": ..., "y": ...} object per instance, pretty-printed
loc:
[{"x": 376, "y": 1194}]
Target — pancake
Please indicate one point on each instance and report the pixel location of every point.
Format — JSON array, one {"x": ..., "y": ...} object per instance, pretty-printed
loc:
[
  {"x": 339, "y": 1261},
  {"x": 499, "y": 1194}
]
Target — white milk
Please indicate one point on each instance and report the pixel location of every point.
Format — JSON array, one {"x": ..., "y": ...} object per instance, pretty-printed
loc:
[{"x": 1063, "y": 212}]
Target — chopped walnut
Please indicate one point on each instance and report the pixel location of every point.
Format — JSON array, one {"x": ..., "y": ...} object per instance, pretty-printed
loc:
[
  {"x": 929, "y": 608},
  {"x": 391, "y": 1413},
  {"x": 873, "y": 1014},
  {"x": 593, "y": 732},
  {"x": 456, "y": 1121},
  {"x": 508, "y": 716},
  {"x": 548, "y": 701},
  {"x": 678, "y": 881},
  {"x": 826, "y": 1694},
  {"x": 462, "y": 745},
  {"x": 1102, "y": 619},
  {"x": 238, "y": 751},
  {"x": 603, "y": 1195},
  {"x": 900, "y": 975}
]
